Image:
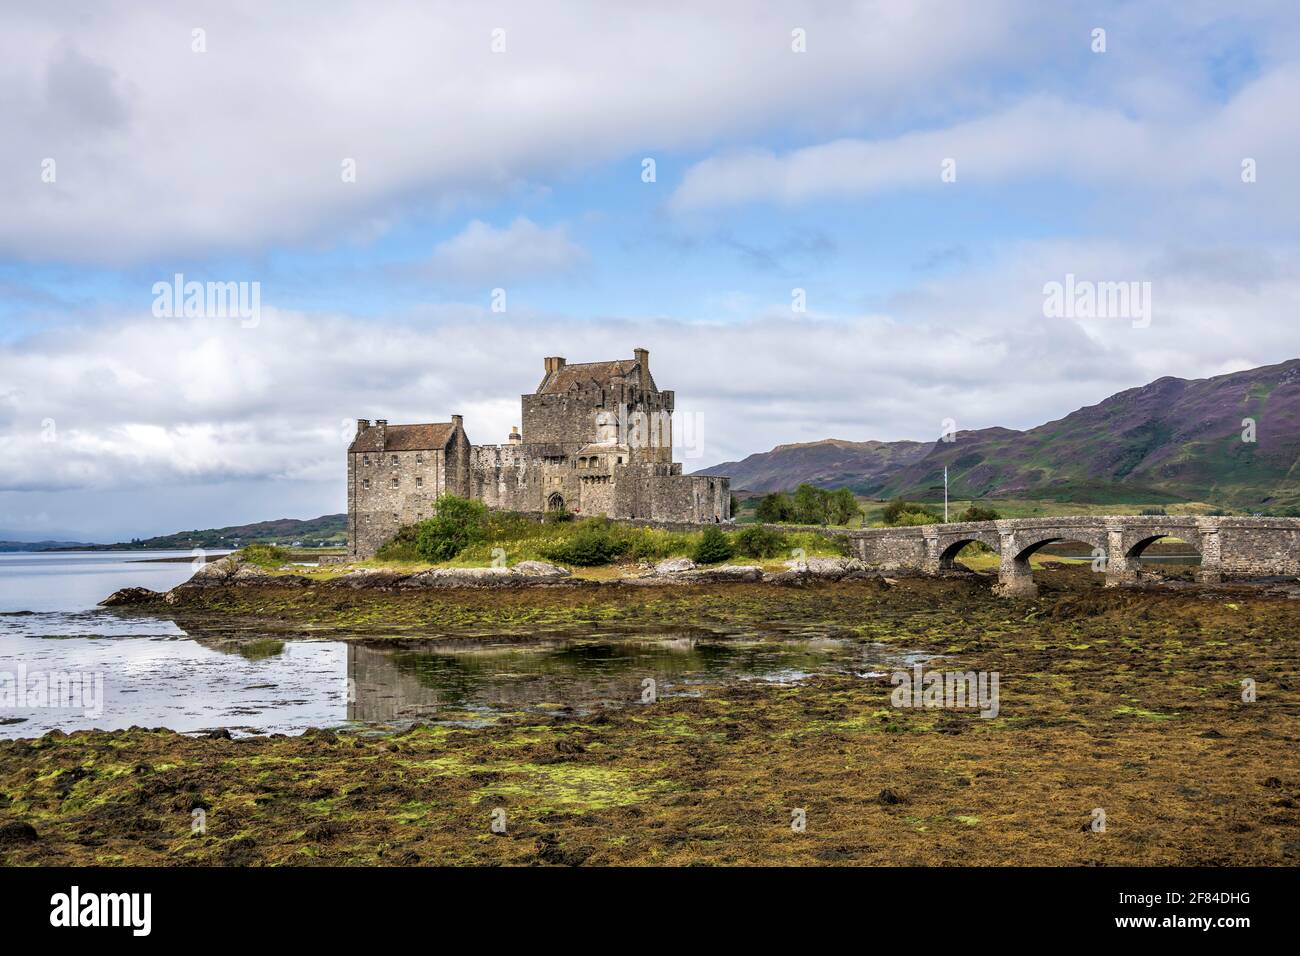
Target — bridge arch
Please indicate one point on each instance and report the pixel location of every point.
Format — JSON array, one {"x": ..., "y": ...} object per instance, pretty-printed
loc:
[{"x": 953, "y": 547}]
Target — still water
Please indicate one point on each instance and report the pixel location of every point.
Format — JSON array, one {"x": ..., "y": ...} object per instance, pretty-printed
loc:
[{"x": 69, "y": 665}]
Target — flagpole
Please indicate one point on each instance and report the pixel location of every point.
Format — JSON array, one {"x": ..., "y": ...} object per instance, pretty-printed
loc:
[{"x": 945, "y": 494}]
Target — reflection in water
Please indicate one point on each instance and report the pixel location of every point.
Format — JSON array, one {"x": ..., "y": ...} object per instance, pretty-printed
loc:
[
  {"x": 273, "y": 686},
  {"x": 393, "y": 685}
]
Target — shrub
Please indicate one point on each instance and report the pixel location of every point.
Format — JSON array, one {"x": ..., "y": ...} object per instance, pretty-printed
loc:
[
  {"x": 976, "y": 513},
  {"x": 264, "y": 555},
  {"x": 712, "y": 547},
  {"x": 593, "y": 541},
  {"x": 458, "y": 523},
  {"x": 901, "y": 513},
  {"x": 558, "y": 516},
  {"x": 910, "y": 518},
  {"x": 403, "y": 546},
  {"x": 758, "y": 541}
]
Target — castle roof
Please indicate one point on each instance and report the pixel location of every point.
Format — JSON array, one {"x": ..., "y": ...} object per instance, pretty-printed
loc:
[
  {"x": 427, "y": 437},
  {"x": 588, "y": 374}
]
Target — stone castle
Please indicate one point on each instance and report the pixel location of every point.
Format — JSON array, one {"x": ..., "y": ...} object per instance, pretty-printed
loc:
[{"x": 596, "y": 439}]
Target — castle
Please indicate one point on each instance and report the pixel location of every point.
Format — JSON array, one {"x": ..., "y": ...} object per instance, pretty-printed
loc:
[{"x": 596, "y": 440}]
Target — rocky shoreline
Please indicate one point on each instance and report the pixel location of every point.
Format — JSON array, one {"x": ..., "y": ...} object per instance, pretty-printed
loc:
[{"x": 232, "y": 572}]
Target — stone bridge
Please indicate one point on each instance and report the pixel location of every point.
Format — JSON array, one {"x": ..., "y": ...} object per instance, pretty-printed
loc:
[{"x": 1229, "y": 547}]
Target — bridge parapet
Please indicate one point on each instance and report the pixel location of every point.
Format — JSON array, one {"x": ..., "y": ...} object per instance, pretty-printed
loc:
[{"x": 1229, "y": 546}]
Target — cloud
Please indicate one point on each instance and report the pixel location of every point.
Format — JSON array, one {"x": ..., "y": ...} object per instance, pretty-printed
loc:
[
  {"x": 522, "y": 250},
  {"x": 162, "y": 150},
  {"x": 151, "y": 403},
  {"x": 1042, "y": 136}
]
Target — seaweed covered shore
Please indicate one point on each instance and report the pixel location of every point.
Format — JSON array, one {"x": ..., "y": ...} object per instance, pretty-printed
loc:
[{"x": 1129, "y": 702}]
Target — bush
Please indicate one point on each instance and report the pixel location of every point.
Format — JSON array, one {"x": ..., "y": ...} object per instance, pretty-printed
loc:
[
  {"x": 264, "y": 555},
  {"x": 899, "y": 513},
  {"x": 558, "y": 516},
  {"x": 593, "y": 541},
  {"x": 976, "y": 513},
  {"x": 758, "y": 541},
  {"x": 712, "y": 547},
  {"x": 458, "y": 523},
  {"x": 403, "y": 546}
]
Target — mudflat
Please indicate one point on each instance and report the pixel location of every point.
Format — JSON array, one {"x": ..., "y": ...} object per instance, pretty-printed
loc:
[{"x": 1128, "y": 702}]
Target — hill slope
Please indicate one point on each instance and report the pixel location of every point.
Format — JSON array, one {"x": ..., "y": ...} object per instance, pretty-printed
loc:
[{"x": 1172, "y": 440}]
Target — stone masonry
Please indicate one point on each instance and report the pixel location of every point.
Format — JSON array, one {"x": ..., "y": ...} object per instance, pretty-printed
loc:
[
  {"x": 596, "y": 440},
  {"x": 1229, "y": 547}
]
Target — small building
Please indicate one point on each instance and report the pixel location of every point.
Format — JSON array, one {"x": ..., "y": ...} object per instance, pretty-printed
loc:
[{"x": 596, "y": 439}]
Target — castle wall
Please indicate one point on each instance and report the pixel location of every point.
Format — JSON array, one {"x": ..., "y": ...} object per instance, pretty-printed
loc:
[
  {"x": 630, "y": 476},
  {"x": 387, "y": 490}
]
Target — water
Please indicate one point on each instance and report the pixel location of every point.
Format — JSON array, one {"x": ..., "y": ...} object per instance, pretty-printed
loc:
[
  {"x": 114, "y": 669},
  {"x": 72, "y": 581}
]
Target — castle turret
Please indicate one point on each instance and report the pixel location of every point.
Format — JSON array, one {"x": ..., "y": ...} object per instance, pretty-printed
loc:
[{"x": 643, "y": 362}]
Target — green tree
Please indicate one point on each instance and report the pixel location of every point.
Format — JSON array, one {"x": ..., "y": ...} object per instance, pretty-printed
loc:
[
  {"x": 976, "y": 513},
  {"x": 811, "y": 505},
  {"x": 593, "y": 541},
  {"x": 712, "y": 547},
  {"x": 456, "y": 524},
  {"x": 775, "y": 508},
  {"x": 842, "y": 506}
]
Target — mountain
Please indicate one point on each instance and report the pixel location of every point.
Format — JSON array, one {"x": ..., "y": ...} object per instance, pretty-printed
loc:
[
  {"x": 829, "y": 463},
  {"x": 325, "y": 531},
  {"x": 1173, "y": 440}
]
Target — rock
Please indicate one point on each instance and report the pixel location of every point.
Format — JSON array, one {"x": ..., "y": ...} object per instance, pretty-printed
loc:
[
  {"x": 370, "y": 578},
  {"x": 887, "y": 798},
  {"x": 674, "y": 566},
  {"x": 16, "y": 831},
  {"x": 126, "y": 596},
  {"x": 723, "y": 572},
  {"x": 214, "y": 572},
  {"x": 830, "y": 569},
  {"x": 540, "y": 569}
]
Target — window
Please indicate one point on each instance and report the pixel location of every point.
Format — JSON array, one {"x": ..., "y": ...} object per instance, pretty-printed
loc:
[
  {"x": 394, "y": 481},
  {"x": 365, "y": 459},
  {"x": 365, "y": 482},
  {"x": 419, "y": 482},
  {"x": 394, "y": 459},
  {"x": 419, "y": 458}
]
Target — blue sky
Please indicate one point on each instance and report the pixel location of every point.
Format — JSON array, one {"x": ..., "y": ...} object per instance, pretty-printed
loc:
[{"x": 203, "y": 142}]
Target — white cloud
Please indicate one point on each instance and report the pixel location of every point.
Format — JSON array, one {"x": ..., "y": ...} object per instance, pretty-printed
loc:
[
  {"x": 522, "y": 250},
  {"x": 160, "y": 149},
  {"x": 1043, "y": 136},
  {"x": 154, "y": 403}
]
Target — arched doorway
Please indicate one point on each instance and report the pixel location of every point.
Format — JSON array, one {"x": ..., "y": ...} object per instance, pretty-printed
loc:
[{"x": 555, "y": 502}]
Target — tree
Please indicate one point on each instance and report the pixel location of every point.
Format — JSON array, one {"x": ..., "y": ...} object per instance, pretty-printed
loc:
[
  {"x": 811, "y": 505},
  {"x": 713, "y": 546},
  {"x": 457, "y": 523},
  {"x": 842, "y": 506},
  {"x": 775, "y": 508},
  {"x": 976, "y": 513}
]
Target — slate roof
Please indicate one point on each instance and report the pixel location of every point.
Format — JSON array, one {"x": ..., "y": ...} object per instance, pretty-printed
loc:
[
  {"x": 586, "y": 374},
  {"x": 426, "y": 437}
]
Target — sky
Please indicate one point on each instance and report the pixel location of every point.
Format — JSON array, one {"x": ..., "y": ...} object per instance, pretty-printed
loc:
[{"x": 822, "y": 219}]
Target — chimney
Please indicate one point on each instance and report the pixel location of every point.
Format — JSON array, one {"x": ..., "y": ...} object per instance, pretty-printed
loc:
[
  {"x": 553, "y": 363},
  {"x": 515, "y": 437},
  {"x": 382, "y": 425},
  {"x": 643, "y": 360},
  {"x": 362, "y": 425},
  {"x": 458, "y": 422}
]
